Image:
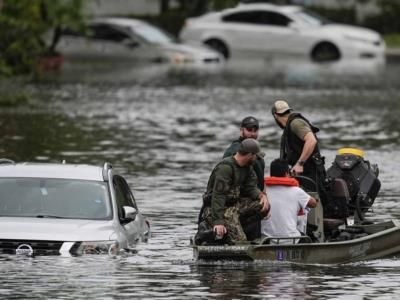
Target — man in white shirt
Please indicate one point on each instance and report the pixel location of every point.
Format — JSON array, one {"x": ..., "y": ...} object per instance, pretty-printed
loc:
[{"x": 287, "y": 199}]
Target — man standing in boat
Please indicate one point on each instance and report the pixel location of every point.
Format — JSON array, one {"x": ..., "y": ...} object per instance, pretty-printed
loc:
[
  {"x": 299, "y": 144},
  {"x": 232, "y": 192},
  {"x": 287, "y": 201},
  {"x": 249, "y": 129}
]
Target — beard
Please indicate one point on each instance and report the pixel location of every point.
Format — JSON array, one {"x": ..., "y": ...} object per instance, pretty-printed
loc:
[
  {"x": 251, "y": 162},
  {"x": 279, "y": 124}
]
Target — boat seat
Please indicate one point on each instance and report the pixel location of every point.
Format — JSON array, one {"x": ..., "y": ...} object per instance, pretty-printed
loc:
[{"x": 340, "y": 189}]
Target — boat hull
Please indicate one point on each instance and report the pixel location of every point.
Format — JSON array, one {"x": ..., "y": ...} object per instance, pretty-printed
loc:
[{"x": 383, "y": 240}]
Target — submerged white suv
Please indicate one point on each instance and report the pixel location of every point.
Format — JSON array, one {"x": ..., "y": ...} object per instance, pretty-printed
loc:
[{"x": 67, "y": 209}]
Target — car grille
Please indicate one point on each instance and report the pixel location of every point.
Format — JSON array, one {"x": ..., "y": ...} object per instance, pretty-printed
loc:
[
  {"x": 39, "y": 247},
  {"x": 211, "y": 60}
]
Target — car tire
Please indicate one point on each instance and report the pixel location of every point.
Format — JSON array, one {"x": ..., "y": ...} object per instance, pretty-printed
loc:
[
  {"x": 325, "y": 52},
  {"x": 218, "y": 46}
]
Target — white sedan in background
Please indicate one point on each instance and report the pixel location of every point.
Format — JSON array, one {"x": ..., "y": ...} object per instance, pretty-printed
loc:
[
  {"x": 130, "y": 40},
  {"x": 265, "y": 30}
]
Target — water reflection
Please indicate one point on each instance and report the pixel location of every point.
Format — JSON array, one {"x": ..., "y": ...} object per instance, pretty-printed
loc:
[
  {"x": 277, "y": 72},
  {"x": 164, "y": 130}
]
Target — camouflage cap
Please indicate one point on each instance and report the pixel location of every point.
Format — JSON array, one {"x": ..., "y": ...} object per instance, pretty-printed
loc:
[{"x": 251, "y": 146}]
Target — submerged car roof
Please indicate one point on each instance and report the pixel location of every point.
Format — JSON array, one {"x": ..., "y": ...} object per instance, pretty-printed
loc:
[
  {"x": 51, "y": 170},
  {"x": 120, "y": 21},
  {"x": 288, "y": 9}
]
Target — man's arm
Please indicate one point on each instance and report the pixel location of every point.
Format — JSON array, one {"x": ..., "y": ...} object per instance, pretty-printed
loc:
[
  {"x": 222, "y": 183},
  {"x": 312, "y": 202},
  {"x": 309, "y": 145},
  {"x": 251, "y": 190}
]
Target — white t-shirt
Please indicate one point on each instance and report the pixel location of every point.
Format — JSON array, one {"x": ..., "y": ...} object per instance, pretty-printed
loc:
[{"x": 286, "y": 202}]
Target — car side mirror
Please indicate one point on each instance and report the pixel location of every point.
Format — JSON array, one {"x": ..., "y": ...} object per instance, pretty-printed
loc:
[
  {"x": 130, "y": 43},
  {"x": 130, "y": 213}
]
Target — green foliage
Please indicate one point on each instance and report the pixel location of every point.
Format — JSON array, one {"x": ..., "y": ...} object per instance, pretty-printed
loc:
[
  {"x": 171, "y": 21},
  {"x": 222, "y": 4},
  {"x": 392, "y": 40},
  {"x": 388, "y": 20},
  {"x": 13, "y": 99},
  {"x": 23, "y": 24},
  {"x": 339, "y": 15}
]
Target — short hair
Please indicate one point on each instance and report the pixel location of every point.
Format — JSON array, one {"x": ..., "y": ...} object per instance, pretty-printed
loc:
[{"x": 279, "y": 167}]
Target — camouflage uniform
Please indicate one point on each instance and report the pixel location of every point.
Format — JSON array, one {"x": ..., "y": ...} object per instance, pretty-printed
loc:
[
  {"x": 231, "y": 192},
  {"x": 258, "y": 167}
]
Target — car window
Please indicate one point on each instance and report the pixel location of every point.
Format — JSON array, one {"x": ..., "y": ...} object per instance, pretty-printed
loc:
[
  {"x": 123, "y": 194},
  {"x": 311, "y": 18},
  {"x": 107, "y": 32},
  {"x": 258, "y": 17},
  {"x": 61, "y": 198},
  {"x": 153, "y": 34}
]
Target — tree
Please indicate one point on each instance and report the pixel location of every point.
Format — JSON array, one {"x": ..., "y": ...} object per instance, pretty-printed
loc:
[{"x": 23, "y": 24}]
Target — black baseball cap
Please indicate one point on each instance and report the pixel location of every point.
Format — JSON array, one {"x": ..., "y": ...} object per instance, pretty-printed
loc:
[{"x": 250, "y": 122}]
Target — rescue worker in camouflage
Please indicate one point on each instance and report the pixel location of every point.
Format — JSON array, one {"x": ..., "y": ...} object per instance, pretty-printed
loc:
[
  {"x": 231, "y": 192},
  {"x": 249, "y": 129}
]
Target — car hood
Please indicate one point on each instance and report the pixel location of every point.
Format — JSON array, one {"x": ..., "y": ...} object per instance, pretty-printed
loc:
[
  {"x": 198, "y": 51},
  {"x": 353, "y": 31},
  {"x": 54, "y": 229}
]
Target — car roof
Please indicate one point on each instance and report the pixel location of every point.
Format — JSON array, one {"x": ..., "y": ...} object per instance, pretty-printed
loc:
[
  {"x": 51, "y": 170},
  {"x": 279, "y": 8},
  {"x": 129, "y": 22}
]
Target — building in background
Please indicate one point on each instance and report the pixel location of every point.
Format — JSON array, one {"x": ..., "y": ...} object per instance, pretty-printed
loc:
[{"x": 123, "y": 7}]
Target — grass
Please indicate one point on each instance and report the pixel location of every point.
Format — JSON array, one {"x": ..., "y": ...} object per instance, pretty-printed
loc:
[{"x": 392, "y": 40}]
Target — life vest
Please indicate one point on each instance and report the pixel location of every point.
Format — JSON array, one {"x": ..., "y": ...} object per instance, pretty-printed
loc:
[
  {"x": 291, "y": 145},
  {"x": 272, "y": 180}
]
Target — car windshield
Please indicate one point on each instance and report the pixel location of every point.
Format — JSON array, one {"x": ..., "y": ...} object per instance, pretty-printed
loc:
[
  {"x": 153, "y": 35},
  {"x": 311, "y": 18},
  {"x": 54, "y": 198}
]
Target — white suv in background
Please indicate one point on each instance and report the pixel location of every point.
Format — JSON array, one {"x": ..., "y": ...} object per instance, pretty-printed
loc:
[{"x": 66, "y": 209}]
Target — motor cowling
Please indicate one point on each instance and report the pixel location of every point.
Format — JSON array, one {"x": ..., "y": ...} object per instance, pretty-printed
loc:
[{"x": 361, "y": 178}]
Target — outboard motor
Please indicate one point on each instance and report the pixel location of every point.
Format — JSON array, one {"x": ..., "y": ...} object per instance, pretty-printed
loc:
[{"x": 361, "y": 179}]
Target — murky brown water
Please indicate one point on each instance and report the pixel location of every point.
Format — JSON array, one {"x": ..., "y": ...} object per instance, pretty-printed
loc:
[{"x": 164, "y": 131}]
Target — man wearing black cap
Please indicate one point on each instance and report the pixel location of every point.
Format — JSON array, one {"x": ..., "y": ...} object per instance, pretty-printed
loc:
[
  {"x": 231, "y": 193},
  {"x": 299, "y": 144},
  {"x": 249, "y": 129}
]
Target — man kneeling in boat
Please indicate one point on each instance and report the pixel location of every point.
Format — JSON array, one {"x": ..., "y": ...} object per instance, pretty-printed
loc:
[
  {"x": 232, "y": 192},
  {"x": 287, "y": 200}
]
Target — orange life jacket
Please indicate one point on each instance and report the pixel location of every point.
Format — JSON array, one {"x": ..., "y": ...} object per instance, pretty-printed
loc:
[{"x": 280, "y": 181}]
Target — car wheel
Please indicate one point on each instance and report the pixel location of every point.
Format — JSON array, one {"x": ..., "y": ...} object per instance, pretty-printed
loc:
[
  {"x": 324, "y": 52},
  {"x": 218, "y": 46}
]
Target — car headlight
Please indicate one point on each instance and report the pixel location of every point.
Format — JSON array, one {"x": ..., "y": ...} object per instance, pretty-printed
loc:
[
  {"x": 97, "y": 247},
  {"x": 181, "y": 58}
]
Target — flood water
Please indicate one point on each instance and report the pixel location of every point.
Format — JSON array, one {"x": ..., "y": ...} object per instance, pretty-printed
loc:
[{"x": 164, "y": 130}]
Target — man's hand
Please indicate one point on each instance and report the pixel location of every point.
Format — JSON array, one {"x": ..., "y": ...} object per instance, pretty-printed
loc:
[
  {"x": 219, "y": 230},
  {"x": 265, "y": 205},
  {"x": 297, "y": 169}
]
